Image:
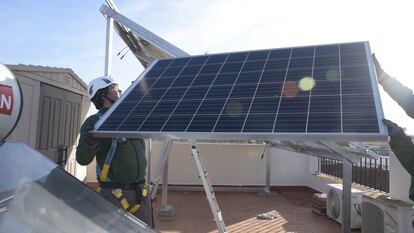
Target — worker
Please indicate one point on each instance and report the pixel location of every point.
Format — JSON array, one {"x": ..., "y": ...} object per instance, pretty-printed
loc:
[
  {"x": 120, "y": 163},
  {"x": 400, "y": 143}
]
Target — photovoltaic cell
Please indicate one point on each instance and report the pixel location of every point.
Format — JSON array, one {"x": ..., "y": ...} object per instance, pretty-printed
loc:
[{"x": 314, "y": 89}]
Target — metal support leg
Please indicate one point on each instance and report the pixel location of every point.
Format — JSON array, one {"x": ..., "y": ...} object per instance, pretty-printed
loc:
[
  {"x": 166, "y": 211},
  {"x": 346, "y": 195},
  {"x": 108, "y": 47},
  {"x": 218, "y": 218},
  {"x": 267, "y": 191},
  {"x": 347, "y": 159},
  {"x": 148, "y": 148}
]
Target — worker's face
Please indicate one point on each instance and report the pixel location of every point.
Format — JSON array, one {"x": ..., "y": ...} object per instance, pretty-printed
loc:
[{"x": 114, "y": 92}]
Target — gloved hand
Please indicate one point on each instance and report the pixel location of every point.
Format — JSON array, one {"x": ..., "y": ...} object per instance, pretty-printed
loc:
[
  {"x": 381, "y": 75},
  {"x": 89, "y": 139},
  {"x": 393, "y": 129}
]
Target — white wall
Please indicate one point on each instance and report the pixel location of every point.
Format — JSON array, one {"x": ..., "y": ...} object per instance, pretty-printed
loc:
[
  {"x": 400, "y": 180},
  {"x": 230, "y": 164}
]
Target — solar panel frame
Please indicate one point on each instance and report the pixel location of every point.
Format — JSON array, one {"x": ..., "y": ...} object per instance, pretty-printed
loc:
[{"x": 225, "y": 132}]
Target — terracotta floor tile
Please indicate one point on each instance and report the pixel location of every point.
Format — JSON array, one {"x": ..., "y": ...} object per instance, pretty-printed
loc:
[{"x": 192, "y": 214}]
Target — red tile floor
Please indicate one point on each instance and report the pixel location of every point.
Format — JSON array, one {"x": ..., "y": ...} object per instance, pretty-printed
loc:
[{"x": 192, "y": 213}]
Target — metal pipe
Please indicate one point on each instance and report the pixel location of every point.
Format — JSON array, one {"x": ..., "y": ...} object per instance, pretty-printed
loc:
[{"x": 108, "y": 48}]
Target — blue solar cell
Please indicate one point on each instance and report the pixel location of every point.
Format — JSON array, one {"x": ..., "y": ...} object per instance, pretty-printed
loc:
[
  {"x": 273, "y": 76},
  {"x": 132, "y": 125},
  {"x": 249, "y": 78},
  {"x": 187, "y": 107},
  {"x": 172, "y": 71},
  {"x": 180, "y": 62},
  {"x": 326, "y": 61},
  {"x": 154, "y": 94},
  {"x": 197, "y": 60},
  {"x": 177, "y": 123},
  {"x": 265, "y": 105},
  {"x": 143, "y": 108},
  {"x": 230, "y": 123},
  {"x": 213, "y": 106},
  {"x": 294, "y": 105},
  {"x": 300, "y": 63},
  {"x": 164, "y": 107},
  {"x": 163, "y": 82},
  {"x": 298, "y": 74},
  {"x": 174, "y": 94},
  {"x": 183, "y": 81},
  {"x": 153, "y": 123},
  {"x": 258, "y": 55},
  {"x": 243, "y": 91},
  {"x": 325, "y": 104},
  {"x": 303, "y": 52},
  {"x": 191, "y": 70},
  {"x": 218, "y": 92},
  {"x": 226, "y": 79},
  {"x": 204, "y": 80},
  {"x": 269, "y": 89},
  {"x": 210, "y": 69},
  {"x": 295, "y": 123},
  {"x": 237, "y": 57},
  {"x": 255, "y": 65},
  {"x": 231, "y": 67},
  {"x": 196, "y": 93},
  {"x": 324, "y": 122},
  {"x": 162, "y": 63},
  {"x": 279, "y": 64},
  {"x": 327, "y": 50},
  {"x": 259, "y": 123},
  {"x": 237, "y": 106},
  {"x": 217, "y": 58},
  {"x": 280, "y": 54},
  {"x": 253, "y": 92},
  {"x": 357, "y": 103},
  {"x": 155, "y": 72},
  {"x": 202, "y": 123}
]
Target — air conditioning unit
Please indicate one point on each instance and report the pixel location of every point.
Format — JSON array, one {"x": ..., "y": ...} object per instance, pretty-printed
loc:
[
  {"x": 385, "y": 215},
  {"x": 334, "y": 205}
]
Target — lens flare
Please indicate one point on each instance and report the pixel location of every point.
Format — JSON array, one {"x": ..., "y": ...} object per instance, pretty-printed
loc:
[
  {"x": 332, "y": 75},
  {"x": 307, "y": 83},
  {"x": 234, "y": 108},
  {"x": 290, "y": 89}
]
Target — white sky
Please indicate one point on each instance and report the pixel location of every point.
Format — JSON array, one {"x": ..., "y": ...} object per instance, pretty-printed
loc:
[{"x": 72, "y": 33}]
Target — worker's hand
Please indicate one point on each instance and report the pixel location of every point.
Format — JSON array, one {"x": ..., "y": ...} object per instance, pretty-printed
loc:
[
  {"x": 89, "y": 139},
  {"x": 381, "y": 75},
  {"x": 393, "y": 128}
]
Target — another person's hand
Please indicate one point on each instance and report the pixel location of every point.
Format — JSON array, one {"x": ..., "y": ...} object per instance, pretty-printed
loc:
[
  {"x": 381, "y": 75},
  {"x": 393, "y": 128}
]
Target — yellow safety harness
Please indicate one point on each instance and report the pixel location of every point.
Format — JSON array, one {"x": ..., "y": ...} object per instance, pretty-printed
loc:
[{"x": 141, "y": 190}]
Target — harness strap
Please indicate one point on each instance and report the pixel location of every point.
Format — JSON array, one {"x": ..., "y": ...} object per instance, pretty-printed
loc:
[
  {"x": 140, "y": 192},
  {"x": 121, "y": 198},
  {"x": 102, "y": 173}
]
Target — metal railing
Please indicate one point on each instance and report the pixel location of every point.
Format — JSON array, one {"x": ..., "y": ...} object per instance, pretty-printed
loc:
[{"x": 372, "y": 173}]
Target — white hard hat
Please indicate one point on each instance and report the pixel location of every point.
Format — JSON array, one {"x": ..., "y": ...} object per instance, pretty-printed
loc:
[{"x": 99, "y": 83}]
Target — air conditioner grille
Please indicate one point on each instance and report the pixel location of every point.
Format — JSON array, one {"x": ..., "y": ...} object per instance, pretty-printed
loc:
[{"x": 372, "y": 218}]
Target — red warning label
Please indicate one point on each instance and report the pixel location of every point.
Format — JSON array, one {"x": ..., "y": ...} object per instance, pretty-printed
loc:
[{"x": 6, "y": 100}]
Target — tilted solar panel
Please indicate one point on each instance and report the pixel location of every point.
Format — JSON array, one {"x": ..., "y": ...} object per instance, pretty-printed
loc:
[{"x": 312, "y": 92}]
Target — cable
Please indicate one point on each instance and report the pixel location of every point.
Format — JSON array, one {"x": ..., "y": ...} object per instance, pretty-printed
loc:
[
  {"x": 122, "y": 50},
  {"x": 125, "y": 54}
]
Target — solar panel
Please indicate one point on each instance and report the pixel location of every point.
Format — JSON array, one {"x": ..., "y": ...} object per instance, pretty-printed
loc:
[{"x": 311, "y": 92}]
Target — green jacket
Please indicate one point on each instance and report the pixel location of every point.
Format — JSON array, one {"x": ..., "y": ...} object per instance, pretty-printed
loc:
[
  {"x": 128, "y": 164},
  {"x": 401, "y": 144}
]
